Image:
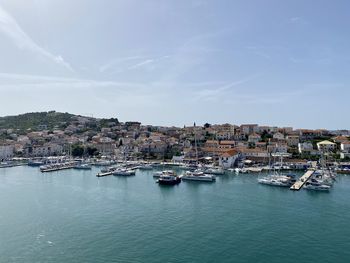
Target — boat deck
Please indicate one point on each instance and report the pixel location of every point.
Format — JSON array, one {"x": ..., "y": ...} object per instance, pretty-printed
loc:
[{"x": 302, "y": 180}]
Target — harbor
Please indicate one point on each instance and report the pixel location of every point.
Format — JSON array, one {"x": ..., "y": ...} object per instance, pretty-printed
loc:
[{"x": 75, "y": 208}]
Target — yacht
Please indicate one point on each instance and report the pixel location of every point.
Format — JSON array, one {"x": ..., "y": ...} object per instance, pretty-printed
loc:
[
  {"x": 82, "y": 166},
  {"x": 316, "y": 186},
  {"x": 123, "y": 172},
  {"x": 146, "y": 167},
  {"x": 168, "y": 180},
  {"x": 278, "y": 180},
  {"x": 165, "y": 172},
  {"x": 108, "y": 169},
  {"x": 216, "y": 171},
  {"x": 35, "y": 163},
  {"x": 198, "y": 175}
]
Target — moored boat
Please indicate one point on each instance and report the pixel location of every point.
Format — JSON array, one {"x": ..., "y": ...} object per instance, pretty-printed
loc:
[{"x": 198, "y": 176}]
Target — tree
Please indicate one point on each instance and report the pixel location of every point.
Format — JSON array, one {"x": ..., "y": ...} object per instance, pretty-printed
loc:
[
  {"x": 77, "y": 150},
  {"x": 92, "y": 151}
]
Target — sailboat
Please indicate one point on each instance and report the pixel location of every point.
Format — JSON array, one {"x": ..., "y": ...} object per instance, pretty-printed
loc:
[
  {"x": 198, "y": 174},
  {"x": 278, "y": 178}
]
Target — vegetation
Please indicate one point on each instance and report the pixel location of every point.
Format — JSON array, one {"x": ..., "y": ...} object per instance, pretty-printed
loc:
[{"x": 33, "y": 120}]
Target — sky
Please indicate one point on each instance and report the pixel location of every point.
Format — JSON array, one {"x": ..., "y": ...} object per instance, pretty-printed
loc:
[{"x": 175, "y": 62}]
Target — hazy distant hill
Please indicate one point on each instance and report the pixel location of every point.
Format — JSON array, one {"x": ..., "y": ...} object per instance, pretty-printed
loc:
[{"x": 34, "y": 120}]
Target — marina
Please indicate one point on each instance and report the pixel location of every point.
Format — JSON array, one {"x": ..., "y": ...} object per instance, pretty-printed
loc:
[{"x": 74, "y": 208}]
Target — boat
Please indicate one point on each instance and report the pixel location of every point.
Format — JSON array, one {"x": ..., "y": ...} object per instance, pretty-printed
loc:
[
  {"x": 145, "y": 167},
  {"x": 316, "y": 186},
  {"x": 35, "y": 163},
  {"x": 278, "y": 180},
  {"x": 6, "y": 164},
  {"x": 168, "y": 180},
  {"x": 108, "y": 169},
  {"x": 165, "y": 172},
  {"x": 82, "y": 166},
  {"x": 123, "y": 172},
  {"x": 198, "y": 175},
  {"x": 216, "y": 171}
]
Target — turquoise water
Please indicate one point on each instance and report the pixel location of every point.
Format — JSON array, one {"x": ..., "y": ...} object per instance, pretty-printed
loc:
[{"x": 72, "y": 216}]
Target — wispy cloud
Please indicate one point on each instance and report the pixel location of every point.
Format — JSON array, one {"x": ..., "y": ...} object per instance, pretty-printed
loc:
[
  {"x": 131, "y": 63},
  {"x": 10, "y": 27},
  {"x": 218, "y": 93},
  {"x": 117, "y": 62},
  {"x": 142, "y": 63},
  {"x": 297, "y": 20}
]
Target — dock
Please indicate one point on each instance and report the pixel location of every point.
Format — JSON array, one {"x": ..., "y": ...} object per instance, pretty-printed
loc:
[
  {"x": 104, "y": 174},
  {"x": 56, "y": 168},
  {"x": 302, "y": 180}
]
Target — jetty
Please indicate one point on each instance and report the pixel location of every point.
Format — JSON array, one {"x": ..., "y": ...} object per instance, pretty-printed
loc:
[
  {"x": 104, "y": 174},
  {"x": 56, "y": 167},
  {"x": 302, "y": 180}
]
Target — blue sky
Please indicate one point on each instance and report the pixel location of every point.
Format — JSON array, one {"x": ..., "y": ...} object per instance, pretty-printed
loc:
[{"x": 165, "y": 62}]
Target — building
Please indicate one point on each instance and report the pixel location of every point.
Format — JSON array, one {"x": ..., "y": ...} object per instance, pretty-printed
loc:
[
  {"x": 228, "y": 158},
  {"x": 326, "y": 146},
  {"x": 254, "y": 138},
  {"x": 345, "y": 146},
  {"x": 247, "y": 129},
  {"x": 305, "y": 147},
  {"x": 278, "y": 136},
  {"x": 292, "y": 140}
]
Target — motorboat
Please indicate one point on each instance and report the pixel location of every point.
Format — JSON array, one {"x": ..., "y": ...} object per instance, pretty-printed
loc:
[
  {"x": 168, "y": 180},
  {"x": 316, "y": 186},
  {"x": 278, "y": 180},
  {"x": 124, "y": 172},
  {"x": 198, "y": 175},
  {"x": 165, "y": 172},
  {"x": 82, "y": 166},
  {"x": 215, "y": 171}
]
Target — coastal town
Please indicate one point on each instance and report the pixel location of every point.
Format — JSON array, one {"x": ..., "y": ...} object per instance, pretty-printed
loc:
[{"x": 224, "y": 145}]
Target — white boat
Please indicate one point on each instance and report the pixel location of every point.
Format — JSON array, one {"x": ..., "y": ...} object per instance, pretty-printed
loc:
[
  {"x": 240, "y": 170},
  {"x": 216, "y": 171},
  {"x": 278, "y": 180},
  {"x": 82, "y": 166},
  {"x": 123, "y": 172},
  {"x": 164, "y": 173},
  {"x": 146, "y": 167},
  {"x": 198, "y": 176},
  {"x": 316, "y": 186}
]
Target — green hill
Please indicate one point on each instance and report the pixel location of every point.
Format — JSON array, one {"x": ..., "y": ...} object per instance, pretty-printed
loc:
[{"x": 34, "y": 119}]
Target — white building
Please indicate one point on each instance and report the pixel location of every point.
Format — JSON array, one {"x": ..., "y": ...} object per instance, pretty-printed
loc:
[
  {"x": 228, "y": 159},
  {"x": 345, "y": 147},
  {"x": 305, "y": 147}
]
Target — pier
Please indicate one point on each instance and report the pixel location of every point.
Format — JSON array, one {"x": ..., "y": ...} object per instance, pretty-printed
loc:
[
  {"x": 302, "y": 180},
  {"x": 104, "y": 174}
]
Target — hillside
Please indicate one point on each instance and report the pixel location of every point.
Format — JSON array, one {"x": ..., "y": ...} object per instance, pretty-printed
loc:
[{"x": 34, "y": 119}]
